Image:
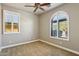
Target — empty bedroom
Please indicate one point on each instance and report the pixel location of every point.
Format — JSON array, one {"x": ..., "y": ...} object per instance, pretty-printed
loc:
[{"x": 39, "y": 29}]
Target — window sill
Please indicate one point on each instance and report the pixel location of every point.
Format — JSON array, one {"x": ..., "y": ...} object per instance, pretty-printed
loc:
[
  {"x": 11, "y": 32},
  {"x": 59, "y": 38}
]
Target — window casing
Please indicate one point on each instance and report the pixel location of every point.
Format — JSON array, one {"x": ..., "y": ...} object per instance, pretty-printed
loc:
[
  {"x": 59, "y": 26},
  {"x": 11, "y": 22}
]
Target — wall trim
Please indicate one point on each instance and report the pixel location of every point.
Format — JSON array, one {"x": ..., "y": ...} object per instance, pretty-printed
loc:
[
  {"x": 18, "y": 44},
  {"x": 61, "y": 47},
  {"x": 64, "y": 48}
]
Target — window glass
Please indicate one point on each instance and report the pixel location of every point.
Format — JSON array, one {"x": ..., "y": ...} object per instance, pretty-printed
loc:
[
  {"x": 7, "y": 26},
  {"x": 15, "y": 27},
  {"x": 60, "y": 25},
  {"x": 54, "y": 27},
  {"x": 8, "y": 20},
  {"x": 15, "y": 23},
  {"x": 8, "y": 17},
  {"x": 62, "y": 28}
]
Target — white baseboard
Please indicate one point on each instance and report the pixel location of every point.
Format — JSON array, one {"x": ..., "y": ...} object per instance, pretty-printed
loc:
[
  {"x": 64, "y": 48},
  {"x": 76, "y": 52},
  {"x": 18, "y": 44}
]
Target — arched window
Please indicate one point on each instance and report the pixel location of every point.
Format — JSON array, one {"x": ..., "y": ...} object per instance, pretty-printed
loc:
[{"x": 59, "y": 25}]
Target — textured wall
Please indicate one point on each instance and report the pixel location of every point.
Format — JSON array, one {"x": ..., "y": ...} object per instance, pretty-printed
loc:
[
  {"x": 73, "y": 11},
  {"x": 28, "y": 25}
]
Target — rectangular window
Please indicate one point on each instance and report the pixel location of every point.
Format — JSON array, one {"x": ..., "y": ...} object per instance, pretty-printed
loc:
[{"x": 11, "y": 22}]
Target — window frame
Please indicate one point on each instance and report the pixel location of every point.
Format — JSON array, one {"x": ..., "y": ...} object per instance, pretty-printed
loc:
[
  {"x": 67, "y": 16},
  {"x": 13, "y": 13}
]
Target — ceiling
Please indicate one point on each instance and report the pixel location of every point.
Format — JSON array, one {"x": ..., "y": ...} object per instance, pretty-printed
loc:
[{"x": 30, "y": 9}]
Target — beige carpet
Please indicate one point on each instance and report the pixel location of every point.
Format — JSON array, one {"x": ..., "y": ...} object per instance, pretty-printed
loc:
[{"x": 35, "y": 49}]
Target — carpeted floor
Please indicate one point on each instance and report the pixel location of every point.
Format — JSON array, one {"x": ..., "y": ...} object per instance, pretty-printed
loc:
[{"x": 35, "y": 49}]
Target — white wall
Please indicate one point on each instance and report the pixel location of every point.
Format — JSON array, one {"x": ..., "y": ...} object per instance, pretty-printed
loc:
[
  {"x": 73, "y": 12},
  {"x": 0, "y": 25},
  {"x": 29, "y": 26}
]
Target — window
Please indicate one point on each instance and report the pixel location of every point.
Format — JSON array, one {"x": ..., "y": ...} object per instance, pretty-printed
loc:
[
  {"x": 11, "y": 22},
  {"x": 59, "y": 26}
]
